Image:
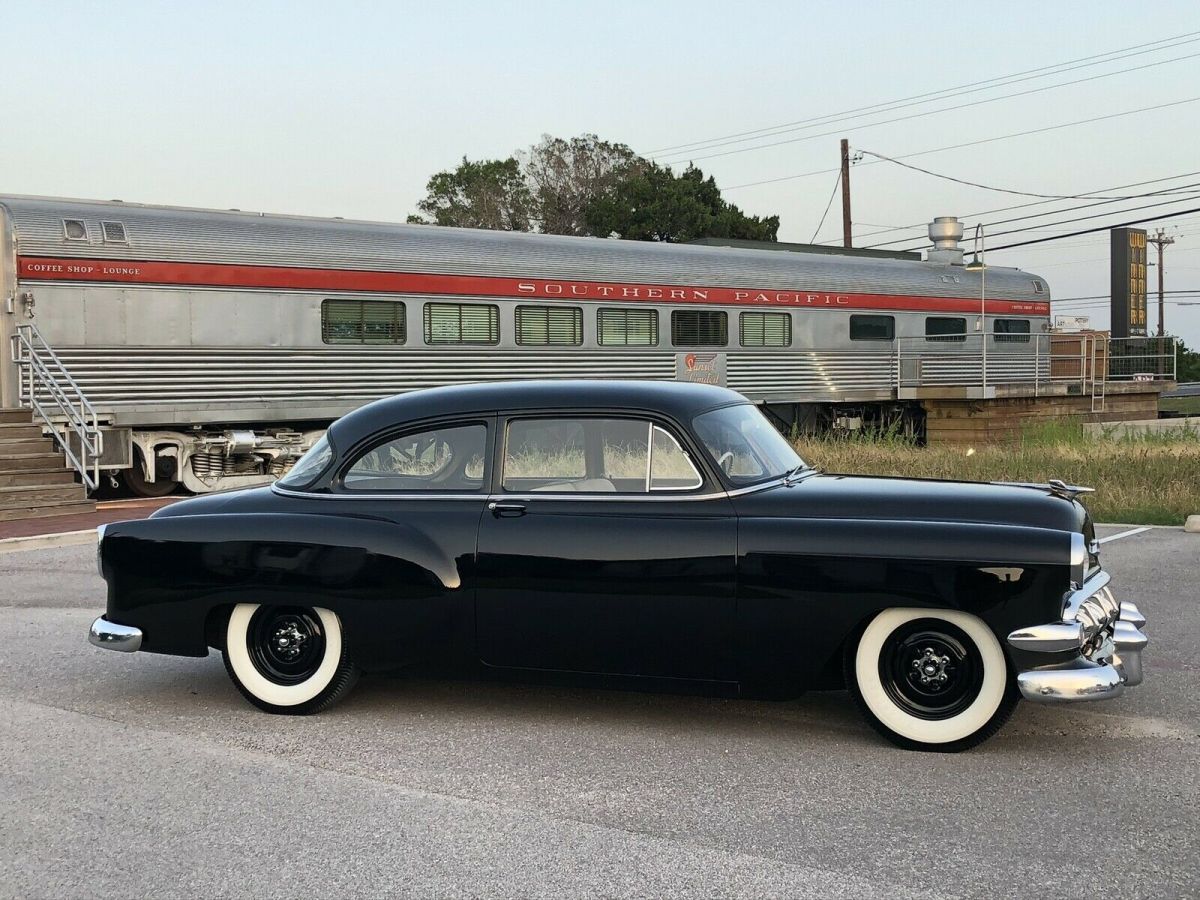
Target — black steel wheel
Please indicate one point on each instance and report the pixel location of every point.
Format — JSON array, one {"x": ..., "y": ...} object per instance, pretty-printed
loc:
[
  {"x": 285, "y": 643},
  {"x": 931, "y": 668},
  {"x": 288, "y": 659},
  {"x": 930, "y": 679}
]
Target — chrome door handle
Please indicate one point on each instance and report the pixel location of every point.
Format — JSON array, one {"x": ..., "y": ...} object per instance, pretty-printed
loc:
[{"x": 506, "y": 508}]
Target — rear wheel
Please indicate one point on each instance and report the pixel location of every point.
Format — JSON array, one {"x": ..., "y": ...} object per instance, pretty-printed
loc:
[
  {"x": 288, "y": 659},
  {"x": 931, "y": 679}
]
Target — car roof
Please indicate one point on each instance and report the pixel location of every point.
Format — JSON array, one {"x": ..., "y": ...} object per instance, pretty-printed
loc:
[{"x": 678, "y": 400}]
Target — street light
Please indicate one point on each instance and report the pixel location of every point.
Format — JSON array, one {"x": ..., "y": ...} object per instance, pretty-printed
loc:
[{"x": 978, "y": 265}]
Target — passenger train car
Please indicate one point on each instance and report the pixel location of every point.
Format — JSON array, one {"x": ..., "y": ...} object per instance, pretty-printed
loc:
[{"x": 215, "y": 346}]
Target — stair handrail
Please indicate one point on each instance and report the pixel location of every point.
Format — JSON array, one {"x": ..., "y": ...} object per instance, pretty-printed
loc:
[{"x": 43, "y": 375}]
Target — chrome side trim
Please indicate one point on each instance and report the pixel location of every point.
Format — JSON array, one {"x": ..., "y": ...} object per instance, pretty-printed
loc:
[
  {"x": 112, "y": 636},
  {"x": 1051, "y": 638},
  {"x": 528, "y": 496}
]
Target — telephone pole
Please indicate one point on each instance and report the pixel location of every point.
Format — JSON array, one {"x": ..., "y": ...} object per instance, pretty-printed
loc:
[
  {"x": 847, "y": 241},
  {"x": 1160, "y": 240}
]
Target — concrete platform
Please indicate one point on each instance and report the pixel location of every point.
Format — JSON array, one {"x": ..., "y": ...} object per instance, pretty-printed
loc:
[{"x": 13, "y": 531}]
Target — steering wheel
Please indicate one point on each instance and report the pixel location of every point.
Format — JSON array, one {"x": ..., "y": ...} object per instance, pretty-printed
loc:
[{"x": 725, "y": 461}]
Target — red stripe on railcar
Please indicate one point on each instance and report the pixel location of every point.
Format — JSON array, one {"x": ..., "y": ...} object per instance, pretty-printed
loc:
[{"x": 307, "y": 279}]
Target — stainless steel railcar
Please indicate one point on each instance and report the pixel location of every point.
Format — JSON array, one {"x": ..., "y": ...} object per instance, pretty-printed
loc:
[{"x": 215, "y": 345}]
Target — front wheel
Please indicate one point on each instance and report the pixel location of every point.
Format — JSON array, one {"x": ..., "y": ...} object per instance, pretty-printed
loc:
[
  {"x": 931, "y": 679},
  {"x": 288, "y": 659}
]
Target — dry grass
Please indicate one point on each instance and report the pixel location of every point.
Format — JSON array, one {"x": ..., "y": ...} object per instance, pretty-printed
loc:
[{"x": 1152, "y": 480}]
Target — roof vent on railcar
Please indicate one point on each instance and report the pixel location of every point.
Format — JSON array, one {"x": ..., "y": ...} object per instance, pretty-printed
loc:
[
  {"x": 946, "y": 232},
  {"x": 114, "y": 233},
  {"x": 74, "y": 230}
]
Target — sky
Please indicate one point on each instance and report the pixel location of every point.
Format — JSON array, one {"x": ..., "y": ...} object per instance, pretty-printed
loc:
[{"x": 346, "y": 109}]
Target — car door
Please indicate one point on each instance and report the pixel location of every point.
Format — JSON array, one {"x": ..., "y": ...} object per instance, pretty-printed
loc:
[
  {"x": 604, "y": 548},
  {"x": 416, "y": 495}
]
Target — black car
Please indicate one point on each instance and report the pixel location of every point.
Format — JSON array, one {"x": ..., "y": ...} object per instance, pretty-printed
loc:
[{"x": 646, "y": 533}]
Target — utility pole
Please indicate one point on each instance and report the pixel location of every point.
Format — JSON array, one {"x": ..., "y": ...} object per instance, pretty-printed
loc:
[
  {"x": 1160, "y": 240},
  {"x": 847, "y": 241}
]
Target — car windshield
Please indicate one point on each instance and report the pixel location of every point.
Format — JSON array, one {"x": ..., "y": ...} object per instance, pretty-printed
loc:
[
  {"x": 745, "y": 446},
  {"x": 309, "y": 466}
]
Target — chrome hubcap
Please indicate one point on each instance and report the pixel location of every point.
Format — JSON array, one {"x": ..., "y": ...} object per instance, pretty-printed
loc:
[
  {"x": 289, "y": 641},
  {"x": 931, "y": 668}
]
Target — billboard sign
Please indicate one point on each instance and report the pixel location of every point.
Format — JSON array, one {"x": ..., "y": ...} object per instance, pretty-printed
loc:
[
  {"x": 1128, "y": 281},
  {"x": 1072, "y": 323}
]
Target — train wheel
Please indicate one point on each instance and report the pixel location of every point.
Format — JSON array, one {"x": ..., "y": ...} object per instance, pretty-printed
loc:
[{"x": 162, "y": 484}]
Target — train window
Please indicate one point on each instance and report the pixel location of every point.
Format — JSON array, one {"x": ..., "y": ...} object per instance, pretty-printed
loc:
[
  {"x": 1011, "y": 331},
  {"x": 557, "y": 325},
  {"x": 114, "y": 233},
  {"x": 627, "y": 327},
  {"x": 74, "y": 230},
  {"x": 872, "y": 328},
  {"x": 766, "y": 329},
  {"x": 945, "y": 328},
  {"x": 699, "y": 328},
  {"x": 1038, "y": 287},
  {"x": 363, "y": 322},
  {"x": 462, "y": 323}
]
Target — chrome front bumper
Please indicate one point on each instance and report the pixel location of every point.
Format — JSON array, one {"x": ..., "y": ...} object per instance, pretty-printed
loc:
[
  {"x": 112, "y": 636},
  {"x": 1106, "y": 637}
]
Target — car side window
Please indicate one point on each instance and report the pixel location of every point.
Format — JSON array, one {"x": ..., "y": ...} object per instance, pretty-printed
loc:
[
  {"x": 438, "y": 459},
  {"x": 595, "y": 456}
]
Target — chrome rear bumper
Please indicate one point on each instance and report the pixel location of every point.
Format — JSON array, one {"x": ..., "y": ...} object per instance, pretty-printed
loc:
[
  {"x": 112, "y": 636},
  {"x": 1106, "y": 636}
]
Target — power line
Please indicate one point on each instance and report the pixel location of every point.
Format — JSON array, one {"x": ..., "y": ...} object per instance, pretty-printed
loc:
[
  {"x": 1054, "y": 212},
  {"x": 828, "y": 205},
  {"x": 1002, "y": 137},
  {"x": 1081, "y": 219},
  {"x": 988, "y": 187},
  {"x": 889, "y": 228},
  {"x": 919, "y": 115},
  {"x": 1108, "y": 227},
  {"x": 931, "y": 96}
]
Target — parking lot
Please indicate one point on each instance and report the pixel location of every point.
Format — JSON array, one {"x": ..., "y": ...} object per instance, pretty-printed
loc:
[{"x": 141, "y": 775}]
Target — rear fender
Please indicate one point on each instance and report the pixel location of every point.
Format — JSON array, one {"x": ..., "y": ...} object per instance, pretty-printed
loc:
[{"x": 389, "y": 582}]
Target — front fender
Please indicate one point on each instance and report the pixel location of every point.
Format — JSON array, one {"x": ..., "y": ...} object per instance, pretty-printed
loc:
[{"x": 807, "y": 585}]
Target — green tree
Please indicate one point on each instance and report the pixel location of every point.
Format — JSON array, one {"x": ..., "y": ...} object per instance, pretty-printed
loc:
[
  {"x": 566, "y": 176},
  {"x": 654, "y": 204},
  {"x": 1187, "y": 364},
  {"x": 489, "y": 194}
]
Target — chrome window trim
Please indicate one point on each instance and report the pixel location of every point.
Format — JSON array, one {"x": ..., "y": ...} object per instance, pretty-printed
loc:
[
  {"x": 650, "y": 489},
  {"x": 753, "y": 488}
]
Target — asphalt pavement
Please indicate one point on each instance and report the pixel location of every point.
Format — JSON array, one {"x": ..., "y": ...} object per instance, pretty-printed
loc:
[{"x": 141, "y": 775}]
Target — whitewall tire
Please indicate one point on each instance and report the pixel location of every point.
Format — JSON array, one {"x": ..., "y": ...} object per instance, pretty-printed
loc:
[
  {"x": 931, "y": 679},
  {"x": 288, "y": 659}
]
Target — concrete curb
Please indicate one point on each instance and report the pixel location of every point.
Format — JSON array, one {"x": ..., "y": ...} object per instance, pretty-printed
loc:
[{"x": 48, "y": 541}]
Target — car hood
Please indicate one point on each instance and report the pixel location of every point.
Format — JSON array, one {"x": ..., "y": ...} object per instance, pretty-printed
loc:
[
  {"x": 259, "y": 499},
  {"x": 916, "y": 500}
]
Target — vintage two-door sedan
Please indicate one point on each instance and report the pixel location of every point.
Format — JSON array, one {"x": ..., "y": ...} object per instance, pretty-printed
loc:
[{"x": 649, "y": 533}]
